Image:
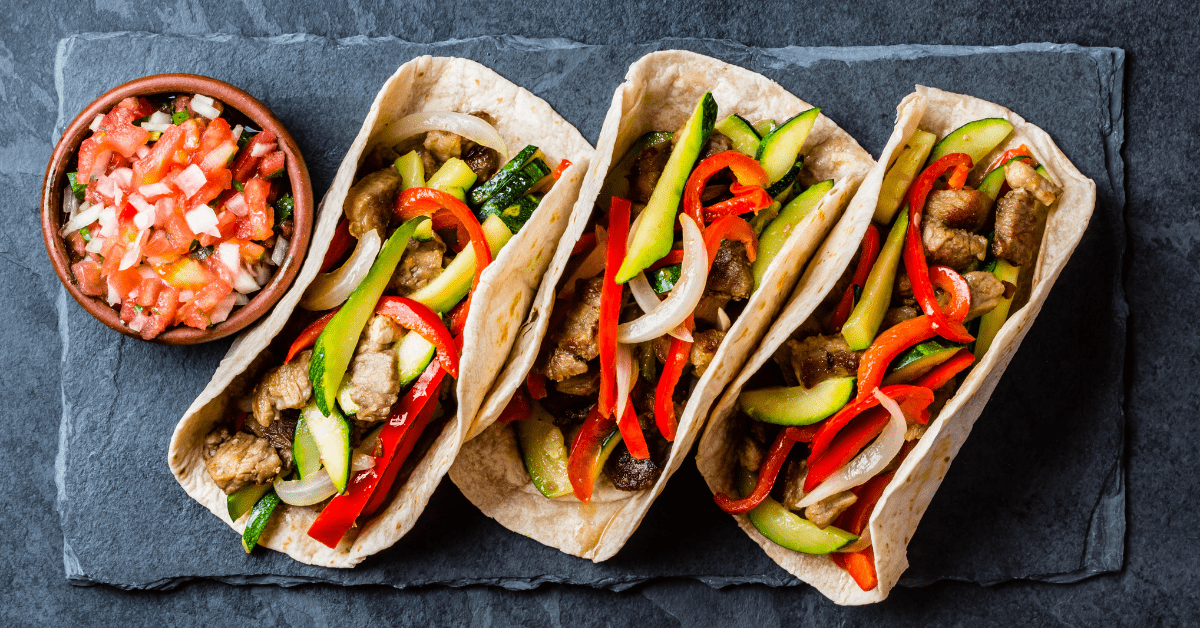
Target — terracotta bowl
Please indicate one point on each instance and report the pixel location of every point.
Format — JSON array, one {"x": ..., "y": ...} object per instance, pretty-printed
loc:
[{"x": 63, "y": 161}]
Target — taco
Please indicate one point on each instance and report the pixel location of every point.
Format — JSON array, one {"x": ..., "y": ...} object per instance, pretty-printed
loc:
[
  {"x": 326, "y": 444},
  {"x": 830, "y": 443},
  {"x": 604, "y": 394}
]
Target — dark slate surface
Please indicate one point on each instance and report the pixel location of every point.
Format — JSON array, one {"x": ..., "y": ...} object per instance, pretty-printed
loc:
[
  {"x": 980, "y": 531},
  {"x": 1158, "y": 578}
]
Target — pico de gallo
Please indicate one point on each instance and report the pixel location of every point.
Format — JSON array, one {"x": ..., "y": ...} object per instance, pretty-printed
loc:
[
  {"x": 696, "y": 216},
  {"x": 339, "y": 424},
  {"x": 937, "y": 274},
  {"x": 174, "y": 215}
]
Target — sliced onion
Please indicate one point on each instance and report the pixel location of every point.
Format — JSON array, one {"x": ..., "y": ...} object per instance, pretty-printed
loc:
[
  {"x": 230, "y": 255},
  {"x": 190, "y": 181},
  {"x": 624, "y": 377},
  {"x": 96, "y": 245},
  {"x": 84, "y": 218},
  {"x": 221, "y": 312},
  {"x": 100, "y": 165},
  {"x": 870, "y": 461},
  {"x": 313, "y": 489},
  {"x": 70, "y": 203},
  {"x": 155, "y": 127},
  {"x": 240, "y": 299},
  {"x": 591, "y": 265},
  {"x": 682, "y": 301},
  {"x": 237, "y": 205},
  {"x": 475, "y": 129},
  {"x": 723, "y": 322},
  {"x": 244, "y": 282},
  {"x": 123, "y": 177},
  {"x": 134, "y": 254},
  {"x": 280, "y": 252},
  {"x": 647, "y": 299},
  {"x": 361, "y": 461},
  {"x": 108, "y": 221},
  {"x": 95, "y": 125},
  {"x": 152, "y": 190},
  {"x": 159, "y": 117},
  {"x": 330, "y": 289},
  {"x": 261, "y": 149},
  {"x": 237, "y": 132},
  {"x": 202, "y": 219}
]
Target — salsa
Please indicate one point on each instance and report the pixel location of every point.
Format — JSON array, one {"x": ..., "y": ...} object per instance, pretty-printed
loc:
[{"x": 176, "y": 212}]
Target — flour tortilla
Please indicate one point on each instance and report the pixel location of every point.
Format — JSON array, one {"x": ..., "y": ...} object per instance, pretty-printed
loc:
[
  {"x": 659, "y": 93},
  {"x": 499, "y": 305},
  {"x": 904, "y": 501}
]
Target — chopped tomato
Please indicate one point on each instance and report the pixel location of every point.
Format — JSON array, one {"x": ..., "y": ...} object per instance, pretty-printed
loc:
[
  {"x": 89, "y": 152},
  {"x": 158, "y": 246},
  {"x": 126, "y": 112},
  {"x": 272, "y": 165},
  {"x": 170, "y": 217},
  {"x": 124, "y": 139},
  {"x": 87, "y": 275},
  {"x": 128, "y": 310},
  {"x": 218, "y": 181},
  {"x": 124, "y": 281},
  {"x": 245, "y": 165},
  {"x": 251, "y": 253},
  {"x": 162, "y": 314},
  {"x": 113, "y": 252},
  {"x": 152, "y": 167},
  {"x": 148, "y": 291},
  {"x": 260, "y": 218},
  {"x": 186, "y": 274}
]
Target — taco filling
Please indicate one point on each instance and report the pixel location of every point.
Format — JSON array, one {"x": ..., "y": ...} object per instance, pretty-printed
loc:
[
  {"x": 333, "y": 427},
  {"x": 682, "y": 233},
  {"x": 937, "y": 274}
]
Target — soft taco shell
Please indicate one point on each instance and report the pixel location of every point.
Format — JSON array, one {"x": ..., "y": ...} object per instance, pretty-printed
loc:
[
  {"x": 498, "y": 307},
  {"x": 904, "y": 501},
  {"x": 660, "y": 91}
]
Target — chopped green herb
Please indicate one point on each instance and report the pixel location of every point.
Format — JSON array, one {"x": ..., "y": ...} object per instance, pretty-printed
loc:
[
  {"x": 137, "y": 308},
  {"x": 663, "y": 280},
  {"x": 155, "y": 311},
  {"x": 86, "y": 233},
  {"x": 247, "y": 135},
  {"x": 239, "y": 187},
  {"x": 201, "y": 253},
  {"x": 76, "y": 187},
  {"x": 179, "y": 117},
  {"x": 154, "y": 135},
  {"x": 139, "y": 121},
  {"x": 284, "y": 207},
  {"x": 195, "y": 243}
]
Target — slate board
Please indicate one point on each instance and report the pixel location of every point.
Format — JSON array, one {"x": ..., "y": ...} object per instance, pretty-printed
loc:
[{"x": 1036, "y": 493}]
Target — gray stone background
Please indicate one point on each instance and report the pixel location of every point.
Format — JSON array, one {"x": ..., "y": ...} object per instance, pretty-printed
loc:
[{"x": 1155, "y": 585}]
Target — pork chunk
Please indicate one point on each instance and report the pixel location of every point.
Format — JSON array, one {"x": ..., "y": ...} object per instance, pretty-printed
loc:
[
  {"x": 825, "y": 511},
  {"x": 986, "y": 292},
  {"x": 444, "y": 145},
  {"x": 483, "y": 161},
  {"x": 646, "y": 170},
  {"x": 628, "y": 473},
  {"x": 279, "y": 433},
  {"x": 730, "y": 272},
  {"x": 818, "y": 358},
  {"x": 1016, "y": 228},
  {"x": 896, "y": 315},
  {"x": 369, "y": 203},
  {"x": 704, "y": 349},
  {"x": 285, "y": 387},
  {"x": 421, "y": 264},
  {"x": 573, "y": 342},
  {"x": 234, "y": 462},
  {"x": 375, "y": 386},
  {"x": 1022, "y": 176},
  {"x": 380, "y": 333},
  {"x": 955, "y": 248},
  {"x": 580, "y": 385},
  {"x": 959, "y": 209}
]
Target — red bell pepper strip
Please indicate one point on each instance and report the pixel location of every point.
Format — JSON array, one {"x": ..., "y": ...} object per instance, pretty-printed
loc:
[
  {"x": 746, "y": 199},
  {"x": 415, "y": 202},
  {"x": 562, "y": 167},
  {"x": 914, "y": 249},
  {"x": 664, "y": 392},
  {"x": 860, "y": 432},
  {"x": 610, "y": 303},
  {"x": 945, "y": 371},
  {"x": 958, "y": 177},
  {"x": 396, "y": 439},
  {"x": 866, "y": 259},
  {"x": 858, "y": 515},
  {"x": 730, "y": 228},
  {"x": 341, "y": 242},
  {"x": 458, "y": 316},
  {"x": 417, "y": 317},
  {"x": 536, "y": 384},
  {"x": 631, "y": 432},
  {"x": 749, "y": 175},
  {"x": 953, "y": 283},
  {"x": 767, "y": 473},
  {"x": 585, "y": 453},
  {"x": 518, "y": 409},
  {"x": 584, "y": 243},
  {"x": 891, "y": 343},
  {"x": 1012, "y": 153},
  {"x": 803, "y": 433},
  {"x": 674, "y": 256},
  {"x": 860, "y": 565},
  {"x": 308, "y": 337},
  {"x": 829, "y": 428}
]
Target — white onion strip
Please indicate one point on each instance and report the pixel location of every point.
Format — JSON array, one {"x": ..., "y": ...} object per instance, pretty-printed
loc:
[
  {"x": 647, "y": 299},
  {"x": 82, "y": 219},
  {"x": 683, "y": 298},
  {"x": 624, "y": 377},
  {"x": 317, "y": 487},
  {"x": 331, "y": 289},
  {"x": 868, "y": 463},
  {"x": 475, "y": 129}
]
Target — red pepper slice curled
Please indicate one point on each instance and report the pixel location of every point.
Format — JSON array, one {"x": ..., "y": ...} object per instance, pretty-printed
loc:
[
  {"x": 945, "y": 371},
  {"x": 342, "y": 241},
  {"x": 417, "y": 317},
  {"x": 767, "y": 473},
  {"x": 829, "y": 428},
  {"x": 730, "y": 228},
  {"x": 584, "y": 458},
  {"x": 415, "y": 202},
  {"x": 664, "y": 392},
  {"x": 308, "y": 337},
  {"x": 631, "y": 432},
  {"x": 914, "y": 248},
  {"x": 953, "y": 283},
  {"x": 889, "y": 344},
  {"x": 749, "y": 175}
]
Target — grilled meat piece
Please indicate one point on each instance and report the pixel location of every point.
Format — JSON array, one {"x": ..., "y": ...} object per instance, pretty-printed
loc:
[
  {"x": 444, "y": 145},
  {"x": 730, "y": 272},
  {"x": 369, "y": 203},
  {"x": 573, "y": 343},
  {"x": 628, "y": 473},
  {"x": 380, "y": 333},
  {"x": 896, "y": 315},
  {"x": 1016, "y": 228},
  {"x": 825, "y": 511},
  {"x": 421, "y": 264},
  {"x": 1022, "y": 176},
  {"x": 751, "y": 454},
  {"x": 959, "y": 209},
  {"x": 279, "y": 433},
  {"x": 704, "y": 349},
  {"x": 716, "y": 143},
  {"x": 483, "y": 161},
  {"x": 793, "y": 483},
  {"x": 285, "y": 387},
  {"x": 234, "y": 462},
  {"x": 817, "y": 358},
  {"x": 706, "y": 309},
  {"x": 580, "y": 385},
  {"x": 375, "y": 386},
  {"x": 646, "y": 170},
  {"x": 986, "y": 292},
  {"x": 951, "y": 247}
]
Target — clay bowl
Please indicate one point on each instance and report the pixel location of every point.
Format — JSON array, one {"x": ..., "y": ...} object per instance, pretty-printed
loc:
[{"x": 63, "y": 161}]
